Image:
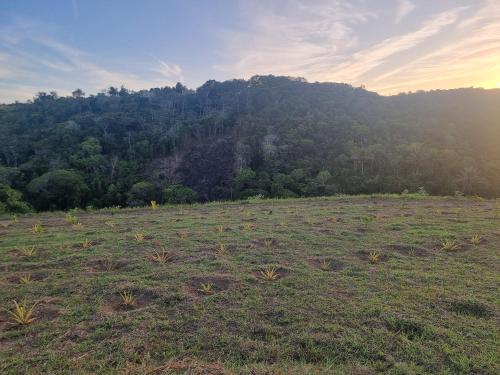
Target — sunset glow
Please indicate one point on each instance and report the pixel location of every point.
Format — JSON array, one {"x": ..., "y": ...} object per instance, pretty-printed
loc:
[{"x": 388, "y": 46}]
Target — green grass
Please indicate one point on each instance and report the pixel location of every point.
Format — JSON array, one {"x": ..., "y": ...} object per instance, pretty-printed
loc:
[{"x": 417, "y": 310}]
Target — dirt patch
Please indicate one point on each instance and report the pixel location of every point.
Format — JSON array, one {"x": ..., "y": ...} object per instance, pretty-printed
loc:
[
  {"x": 91, "y": 244},
  {"x": 219, "y": 283},
  {"x": 185, "y": 366},
  {"x": 115, "y": 303},
  {"x": 265, "y": 242},
  {"x": 106, "y": 265},
  {"x": 218, "y": 249},
  {"x": 33, "y": 277},
  {"x": 327, "y": 264},
  {"x": 470, "y": 308},
  {"x": 365, "y": 255},
  {"x": 409, "y": 250}
]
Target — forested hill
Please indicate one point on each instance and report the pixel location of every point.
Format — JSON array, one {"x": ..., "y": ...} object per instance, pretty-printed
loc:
[{"x": 274, "y": 136}]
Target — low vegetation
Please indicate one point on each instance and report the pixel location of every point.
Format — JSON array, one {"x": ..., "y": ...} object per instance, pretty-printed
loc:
[{"x": 396, "y": 284}]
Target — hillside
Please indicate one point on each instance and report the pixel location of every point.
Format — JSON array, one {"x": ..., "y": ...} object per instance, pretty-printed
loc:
[
  {"x": 355, "y": 285},
  {"x": 275, "y": 136}
]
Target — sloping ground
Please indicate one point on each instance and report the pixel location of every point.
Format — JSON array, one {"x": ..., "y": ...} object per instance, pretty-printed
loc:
[{"x": 362, "y": 285}]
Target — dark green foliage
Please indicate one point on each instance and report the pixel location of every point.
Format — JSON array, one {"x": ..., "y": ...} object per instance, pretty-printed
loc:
[
  {"x": 141, "y": 194},
  {"x": 58, "y": 189},
  {"x": 11, "y": 200},
  {"x": 270, "y": 136},
  {"x": 179, "y": 194},
  {"x": 477, "y": 309}
]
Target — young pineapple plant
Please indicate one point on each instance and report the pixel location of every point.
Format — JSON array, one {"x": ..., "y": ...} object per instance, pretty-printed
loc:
[
  {"x": 206, "y": 288},
  {"x": 161, "y": 257},
  {"x": 77, "y": 226},
  {"x": 139, "y": 236},
  {"x": 154, "y": 205},
  {"x": 449, "y": 245},
  {"x": 87, "y": 244},
  {"x": 374, "y": 257},
  {"x": 325, "y": 265},
  {"x": 128, "y": 298},
  {"x": 269, "y": 273},
  {"x": 222, "y": 249},
  {"x": 25, "y": 279},
  {"x": 28, "y": 251},
  {"x": 22, "y": 314},
  {"x": 248, "y": 226},
  {"x": 475, "y": 239},
  {"x": 37, "y": 228},
  {"x": 268, "y": 242}
]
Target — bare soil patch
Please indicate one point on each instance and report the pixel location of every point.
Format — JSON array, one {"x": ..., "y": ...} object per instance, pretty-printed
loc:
[
  {"x": 265, "y": 242},
  {"x": 409, "y": 250},
  {"x": 364, "y": 255},
  {"x": 106, "y": 265},
  {"x": 219, "y": 283},
  {"x": 327, "y": 264}
]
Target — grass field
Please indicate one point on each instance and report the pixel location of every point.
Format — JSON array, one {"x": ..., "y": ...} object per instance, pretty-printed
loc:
[{"x": 354, "y": 285}]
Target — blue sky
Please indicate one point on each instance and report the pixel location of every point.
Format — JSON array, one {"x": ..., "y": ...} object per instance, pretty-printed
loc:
[{"x": 389, "y": 46}]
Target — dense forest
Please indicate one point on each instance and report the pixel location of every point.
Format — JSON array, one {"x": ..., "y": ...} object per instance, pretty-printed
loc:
[{"x": 266, "y": 136}]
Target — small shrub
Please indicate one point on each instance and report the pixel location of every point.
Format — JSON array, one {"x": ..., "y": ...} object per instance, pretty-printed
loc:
[
  {"x": 269, "y": 273},
  {"x": 154, "y": 205},
  {"x": 220, "y": 229},
  {"x": 449, "y": 245},
  {"x": 22, "y": 314},
  {"x": 128, "y": 298}
]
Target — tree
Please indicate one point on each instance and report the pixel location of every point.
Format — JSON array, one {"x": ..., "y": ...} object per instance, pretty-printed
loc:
[
  {"x": 141, "y": 194},
  {"x": 11, "y": 200},
  {"x": 59, "y": 189},
  {"x": 77, "y": 94},
  {"x": 176, "y": 194}
]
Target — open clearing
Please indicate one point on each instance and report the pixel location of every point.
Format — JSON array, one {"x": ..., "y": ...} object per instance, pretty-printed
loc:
[{"x": 361, "y": 285}]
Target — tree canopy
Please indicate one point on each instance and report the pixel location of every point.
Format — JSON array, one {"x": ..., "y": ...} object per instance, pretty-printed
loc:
[{"x": 274, "y": 136}]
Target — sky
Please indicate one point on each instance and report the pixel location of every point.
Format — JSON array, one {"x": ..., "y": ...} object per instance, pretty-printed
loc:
[{"x": 388, "y": 46}]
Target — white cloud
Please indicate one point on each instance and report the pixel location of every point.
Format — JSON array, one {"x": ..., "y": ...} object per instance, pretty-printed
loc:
[
  {"x": 291, "y": 38},
  {"x": 470, "y": 58},
  {"x": 171, "y": 72},
  {"x": 405, "y": 7},
  {"x": 320, "y": 40},
  {"x": 33, "y": 59},
  {"x": 365, "y": 60}
]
